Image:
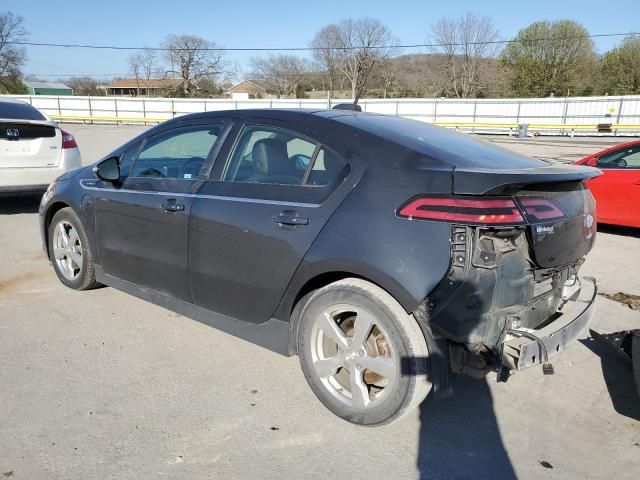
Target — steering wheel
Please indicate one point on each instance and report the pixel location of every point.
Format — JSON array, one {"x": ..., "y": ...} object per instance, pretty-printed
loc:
[
  {"x": 620, "y": 163},
  {"x": 152, "y": 172}
]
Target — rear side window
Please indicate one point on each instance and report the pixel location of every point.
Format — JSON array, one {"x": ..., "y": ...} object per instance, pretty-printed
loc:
[
  {"x": 277, "y": 156},
  {"x": 19, "y": 111},
  {"x": 326, "y": 168}
]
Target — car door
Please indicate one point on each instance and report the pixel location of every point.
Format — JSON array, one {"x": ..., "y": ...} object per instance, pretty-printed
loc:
[
  {"x": 617, "y": 190},
  {"x": 270, "y": 194},
  {"x": 142, "y": 223}
]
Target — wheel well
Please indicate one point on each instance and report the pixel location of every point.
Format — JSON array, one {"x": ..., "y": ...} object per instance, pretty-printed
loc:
[
  {"x": 308, "y": 288},
  {"x": 51, "y": 211},
  {"x": 318, "y": 282}
]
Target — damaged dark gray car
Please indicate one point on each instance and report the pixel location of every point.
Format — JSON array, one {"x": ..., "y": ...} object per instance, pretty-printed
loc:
[{"x": 385, "y": 252}]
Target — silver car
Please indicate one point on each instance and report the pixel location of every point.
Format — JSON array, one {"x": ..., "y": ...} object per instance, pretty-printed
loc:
[{"x": 34, "y": 150}]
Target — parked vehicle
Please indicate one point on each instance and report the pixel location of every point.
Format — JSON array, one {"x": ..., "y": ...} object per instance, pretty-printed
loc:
[
  {"x": 34, "y": 150},
  {"x": 383, "y": 251},
  {"x": 617, "y": 190}
]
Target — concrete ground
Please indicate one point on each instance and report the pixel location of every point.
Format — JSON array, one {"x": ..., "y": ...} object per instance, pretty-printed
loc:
[{"x": 102, "y": 385}]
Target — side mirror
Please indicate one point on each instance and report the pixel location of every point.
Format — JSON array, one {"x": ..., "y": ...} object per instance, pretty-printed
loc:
[{"x": 108, "y": 170}]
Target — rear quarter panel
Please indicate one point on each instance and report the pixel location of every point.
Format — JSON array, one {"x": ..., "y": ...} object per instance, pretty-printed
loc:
[{"x": 365, "y": 238}]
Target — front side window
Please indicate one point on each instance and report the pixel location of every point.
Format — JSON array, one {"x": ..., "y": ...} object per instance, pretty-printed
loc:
[
  {"x": 179, "y": 153},
  {"x": 126, "y": 159},
  {"x": 276, "y": 156},
  {"x": 625, "y": 158}
]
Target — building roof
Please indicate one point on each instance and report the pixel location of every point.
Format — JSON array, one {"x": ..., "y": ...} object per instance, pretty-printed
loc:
[
  {"x": 247, "y": 83},
  {"x": 143, "y": 83},
  {"x": 61, "y": 86}
]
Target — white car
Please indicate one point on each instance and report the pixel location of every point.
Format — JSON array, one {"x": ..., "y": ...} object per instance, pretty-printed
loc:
[{"x": 34, "y": 150}]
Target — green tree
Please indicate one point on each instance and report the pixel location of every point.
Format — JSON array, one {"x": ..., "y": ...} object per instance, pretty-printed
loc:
[
  {"x": 12, "y": 84},
  {"x": 549, "y": 58},
  {"x": 619, "y": 72}
]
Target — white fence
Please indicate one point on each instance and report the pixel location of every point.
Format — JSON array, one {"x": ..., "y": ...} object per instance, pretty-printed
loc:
[{"x": 546, "y": 115}]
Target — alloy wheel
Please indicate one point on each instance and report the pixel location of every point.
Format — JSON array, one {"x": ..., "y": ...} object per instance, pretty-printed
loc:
[
  {"x": 352, "y": 356},
  {"x": 67, "y": 250}
]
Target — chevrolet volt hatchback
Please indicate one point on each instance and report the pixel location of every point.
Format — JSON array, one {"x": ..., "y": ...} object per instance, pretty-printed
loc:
[
  {"x": 386, "y": 253},
  {"x": 34, "y": 150}
]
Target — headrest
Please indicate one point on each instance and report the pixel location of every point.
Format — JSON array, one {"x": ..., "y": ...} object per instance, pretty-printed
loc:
[{"x": 270, "y": 157}]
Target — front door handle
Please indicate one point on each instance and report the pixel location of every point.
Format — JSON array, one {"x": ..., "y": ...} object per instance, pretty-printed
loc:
[
  {"x": 636, "y": 182},
  {"x": 290, "y": 218},
  {"x": 172, "y": 205}
]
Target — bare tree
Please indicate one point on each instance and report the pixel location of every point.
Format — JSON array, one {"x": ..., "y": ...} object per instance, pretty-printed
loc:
[
  {"x": 135, "y": 66},
  {"x": 361, "y": 44},
  {"x": 466, "y": 44},
  {"x": 143, "y": 66},
  {"x": 389, "y": 72},
  {"x": 12, "y": 57},
  {"x": 282, "y": 74},
  {"x": 86, "y": 86},
  {"x": 192, "y": 58},
  {"x": 149, "y": 65},
  {"x": 326, "y": 55}
]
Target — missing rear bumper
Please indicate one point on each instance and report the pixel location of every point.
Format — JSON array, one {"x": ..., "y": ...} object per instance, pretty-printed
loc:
[{"x": 522, "y": 352}]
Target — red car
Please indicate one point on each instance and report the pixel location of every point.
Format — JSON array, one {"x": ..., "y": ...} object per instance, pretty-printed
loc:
[{"x": 617, "y": 190}]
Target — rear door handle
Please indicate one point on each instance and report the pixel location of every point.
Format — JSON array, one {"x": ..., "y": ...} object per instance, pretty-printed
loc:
[
  {"x": 290, "y": 218},
  {"x": 636, "y": 182},
  {"x": 172, "y": 205}
]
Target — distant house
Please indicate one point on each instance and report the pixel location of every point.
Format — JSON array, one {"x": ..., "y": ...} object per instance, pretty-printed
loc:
[
  {"x": 47, "y": 88},
  {"x": 245, "y": 90},
  {"x": 130, "y": 87}
]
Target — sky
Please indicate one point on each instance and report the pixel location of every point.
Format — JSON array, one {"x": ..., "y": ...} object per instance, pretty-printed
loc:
[{"x": 250, "y": 24}]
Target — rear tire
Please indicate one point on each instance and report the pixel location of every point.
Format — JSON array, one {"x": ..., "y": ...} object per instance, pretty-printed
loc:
[
  {"x": 363, "y": 356},
  {"x": 69, "y": 251}
]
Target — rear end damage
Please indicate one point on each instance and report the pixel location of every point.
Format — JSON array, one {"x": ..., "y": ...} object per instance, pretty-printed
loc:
[{"x": 512, "y": 297}]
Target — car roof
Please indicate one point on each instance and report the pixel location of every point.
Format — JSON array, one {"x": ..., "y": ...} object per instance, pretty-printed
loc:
[
  {"x": 11, "y": 100},
  {"x": 442, "y": 144},
  {"x": 273, "y": 113}
]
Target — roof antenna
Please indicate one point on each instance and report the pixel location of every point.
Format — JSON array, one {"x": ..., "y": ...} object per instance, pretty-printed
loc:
[{"x": 348, "y": 106}]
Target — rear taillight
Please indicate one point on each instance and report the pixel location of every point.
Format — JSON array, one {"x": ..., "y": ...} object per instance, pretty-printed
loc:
[
  {"x": 67, "y": 140},
  {"x": 537, "y": 209},
  {"x": 468, "y": 210}
]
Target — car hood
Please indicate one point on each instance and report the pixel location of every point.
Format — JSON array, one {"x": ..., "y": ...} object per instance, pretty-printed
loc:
[{"x": 82, "y": 172}]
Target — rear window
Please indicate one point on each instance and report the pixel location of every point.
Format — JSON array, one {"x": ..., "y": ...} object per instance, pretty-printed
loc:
[
  {"x": 446, "y": 145},
  {"x": 19, "y": 111}
]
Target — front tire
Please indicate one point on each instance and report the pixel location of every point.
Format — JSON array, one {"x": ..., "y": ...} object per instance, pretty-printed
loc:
[
  {"x": 363, "y": 356},
  {"x": 69, "y": 251}
]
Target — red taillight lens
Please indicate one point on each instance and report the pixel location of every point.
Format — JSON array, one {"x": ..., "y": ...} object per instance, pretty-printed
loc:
[
  {"x": 67, "y": 140},
  {"x": 541, "y": 209},
  {"x": 470, "y": 210}
]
